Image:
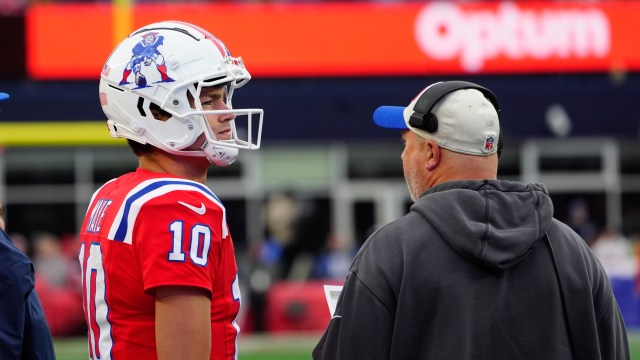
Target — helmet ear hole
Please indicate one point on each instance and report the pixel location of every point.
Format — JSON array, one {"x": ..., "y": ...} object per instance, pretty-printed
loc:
[{"x": 158, "y": 113}]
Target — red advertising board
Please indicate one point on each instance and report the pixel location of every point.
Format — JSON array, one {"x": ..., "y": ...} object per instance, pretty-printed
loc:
[{"x": 72, "y": 41}]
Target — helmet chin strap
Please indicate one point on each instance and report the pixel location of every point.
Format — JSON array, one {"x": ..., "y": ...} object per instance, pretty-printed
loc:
[{"x": 219, "y": 155}]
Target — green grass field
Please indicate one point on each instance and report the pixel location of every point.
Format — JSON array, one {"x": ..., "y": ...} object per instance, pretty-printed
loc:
[
  {"x": 252, "y": 347},
  {"x": 262, "y": 347}
]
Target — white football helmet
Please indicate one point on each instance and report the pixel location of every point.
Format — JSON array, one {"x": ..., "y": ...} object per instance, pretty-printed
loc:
[{"x": 161, "y": 63}]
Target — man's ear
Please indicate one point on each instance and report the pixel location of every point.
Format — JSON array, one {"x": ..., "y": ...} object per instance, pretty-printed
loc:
[{"x": 433, "y": 155}]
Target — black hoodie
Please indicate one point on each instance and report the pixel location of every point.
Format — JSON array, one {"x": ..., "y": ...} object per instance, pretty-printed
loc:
[{"x": 468, "y": 273}]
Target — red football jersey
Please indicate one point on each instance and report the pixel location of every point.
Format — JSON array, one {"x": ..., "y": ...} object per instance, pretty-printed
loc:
[{"x": 144, "y": 230}]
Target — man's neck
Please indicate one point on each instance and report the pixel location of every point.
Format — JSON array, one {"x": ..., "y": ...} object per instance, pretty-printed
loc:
[
  {"x": 188, "y": 167},
  {"x": 464, "y": 167}
]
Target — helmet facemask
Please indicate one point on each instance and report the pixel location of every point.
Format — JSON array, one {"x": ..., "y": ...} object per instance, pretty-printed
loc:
[{"x": 223, "y": 151}]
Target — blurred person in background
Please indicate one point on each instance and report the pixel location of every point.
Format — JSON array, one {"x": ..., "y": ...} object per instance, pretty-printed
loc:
[
  {"x": 335, "y": 259},
  {"x": 24, "y": 332},
  {"x": 49, "y": 260},
  {"x": 58, "y": 284},
  {"x": 160, "y": 279},
  {"x": 615, "y": 252},
  {"x": 479, "y": 268},
  {"x": 268, "y": 265},
  {"x": 287, "y": 253},
  {"x": 580, "y": 220}
]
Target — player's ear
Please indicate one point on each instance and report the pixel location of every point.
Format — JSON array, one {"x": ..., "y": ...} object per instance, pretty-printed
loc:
[{"x": 433, "y": 155}]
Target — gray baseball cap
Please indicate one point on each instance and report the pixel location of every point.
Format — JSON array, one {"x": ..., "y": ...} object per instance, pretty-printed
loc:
[{"x": 468, "y": 122}]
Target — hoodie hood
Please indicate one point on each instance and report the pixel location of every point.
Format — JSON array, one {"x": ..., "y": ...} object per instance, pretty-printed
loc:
[{"x": 493, "y": 223}]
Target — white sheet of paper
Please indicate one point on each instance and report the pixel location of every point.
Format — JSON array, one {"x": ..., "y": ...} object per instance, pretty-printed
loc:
[{"x": 332, "y": 292}]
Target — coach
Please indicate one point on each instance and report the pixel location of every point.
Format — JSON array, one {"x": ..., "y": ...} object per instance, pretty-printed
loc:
[{"x": 478, "y": 268}]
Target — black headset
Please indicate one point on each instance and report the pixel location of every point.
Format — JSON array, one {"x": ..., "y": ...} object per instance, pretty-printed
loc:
[{"x": 422, "y": 117}]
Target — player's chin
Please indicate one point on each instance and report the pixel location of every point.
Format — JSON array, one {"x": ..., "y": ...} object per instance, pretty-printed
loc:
[{"x": 224, "y": 137}]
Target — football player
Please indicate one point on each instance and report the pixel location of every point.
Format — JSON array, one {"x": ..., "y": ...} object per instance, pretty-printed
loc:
[{"x": 160, "y": 278}]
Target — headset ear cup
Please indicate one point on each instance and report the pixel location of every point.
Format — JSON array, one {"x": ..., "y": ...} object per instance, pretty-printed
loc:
[
  {"x": 427, "y": 122},
  {"x": 416, "y": 120},
  {"x": 432, "y": 123}
]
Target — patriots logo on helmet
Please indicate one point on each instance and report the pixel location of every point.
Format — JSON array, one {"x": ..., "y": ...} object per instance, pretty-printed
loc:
[
  {"x": 488, "y": 143},
  {"x": 144, "y": 54}
]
